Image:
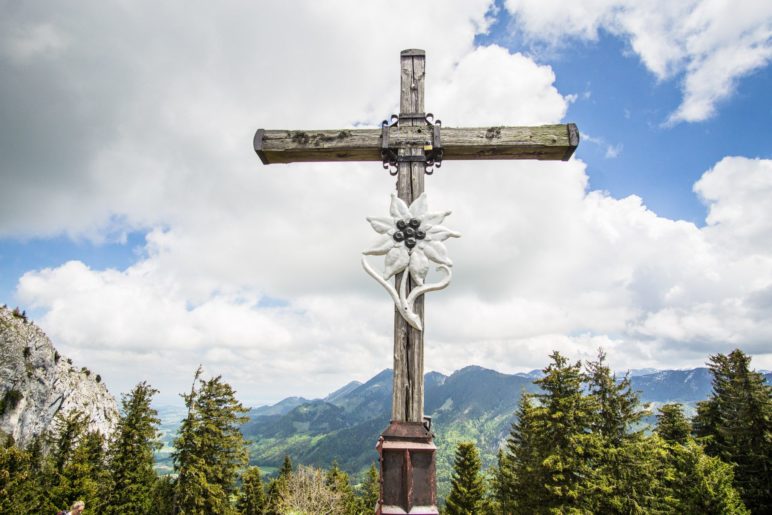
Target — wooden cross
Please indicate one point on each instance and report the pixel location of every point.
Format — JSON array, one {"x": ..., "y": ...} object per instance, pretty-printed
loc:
[{"x": 408, "y": 145}]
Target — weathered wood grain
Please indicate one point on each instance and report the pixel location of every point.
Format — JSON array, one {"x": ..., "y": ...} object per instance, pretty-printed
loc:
[
  {"x": 408, "y": 385},
  {"x": 545, "y": 142}
]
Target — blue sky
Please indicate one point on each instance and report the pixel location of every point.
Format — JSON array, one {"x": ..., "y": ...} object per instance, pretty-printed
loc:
[{"x": 140, "y": 231}]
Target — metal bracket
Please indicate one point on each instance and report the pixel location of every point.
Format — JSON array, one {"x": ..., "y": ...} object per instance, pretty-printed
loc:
[
  {"x": 389, "y": 155},
  {"x": 432, "y": 156}
]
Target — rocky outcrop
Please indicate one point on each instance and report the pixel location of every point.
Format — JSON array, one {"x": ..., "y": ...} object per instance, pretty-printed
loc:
[{"x": 37, "y": 383}]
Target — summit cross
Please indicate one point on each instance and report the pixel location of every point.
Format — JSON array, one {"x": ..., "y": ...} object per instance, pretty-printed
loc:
[{"x": 411, "y": 145}]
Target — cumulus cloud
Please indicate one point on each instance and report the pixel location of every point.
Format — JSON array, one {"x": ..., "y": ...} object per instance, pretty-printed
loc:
[
  {"x": 708, "y": 44},
  {"x": 254, "y": 270}
]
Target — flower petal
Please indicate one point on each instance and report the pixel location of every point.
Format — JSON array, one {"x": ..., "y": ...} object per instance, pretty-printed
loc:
[
  {"x": 396, "y": 261},
  {"x": 434, "y": 218},
  {"x": 419, "y": 266},
  {"x": 441, "y": 233},
  {"x": 381, "y": 225},
  {"x": 437, "y": 252},
  {"x": 381, "y": 247},
  {"x": 419, "y": 206},
  {"x": 398, "y": 208}
]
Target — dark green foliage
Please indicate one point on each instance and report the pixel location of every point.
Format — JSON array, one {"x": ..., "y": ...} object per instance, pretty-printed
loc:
[
  {"x": 27, "y": 352},
  {"x": 277, "y": 488},
  {"x": 84, "y": 476},
  {"x": 17, "y": 480},
  {"x": 672, "y": 425},
  {"x": 98, "y": 378},
  {"x": 252, "y": 499},
  {"x": 370, "y": 491},
  {"x": 210, "y": 449},
  {"x": 467, "y": 488},
  {"x": 563, "y": 418},
  {"x": 338, "y": 482},
  {"x": 131, "y": 454},
  {"x": 702, "y": 484},
  {"x": 735, "y": 424},
  {"x": 162, "y": 496},
  {"x": 9, "y": 401}
]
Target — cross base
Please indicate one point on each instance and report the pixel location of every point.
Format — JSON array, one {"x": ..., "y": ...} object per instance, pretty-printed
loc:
[{"x": 408, "y": 471}]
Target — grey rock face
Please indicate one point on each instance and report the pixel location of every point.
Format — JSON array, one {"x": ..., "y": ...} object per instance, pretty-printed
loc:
[{"x": 36, "y": 383}]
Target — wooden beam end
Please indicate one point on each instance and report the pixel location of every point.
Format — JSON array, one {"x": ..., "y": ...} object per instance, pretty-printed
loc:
[
  {"x": 573, "y": 140},
  {"x": 257, "y": 143}
]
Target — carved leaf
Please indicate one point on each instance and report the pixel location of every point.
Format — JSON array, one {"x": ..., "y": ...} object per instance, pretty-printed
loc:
[
  {"x": 380, "y": 247},
  {"x": 397, "y": 260},
  {"x": 398, "y": 208},
  {"x": 441, "y": 233},
  {"x": 419, "y": 206},
  {"x": 437, "y": 252},
  {"x": 381, "y": 225},
  {"x": 434, "y": 218},
  {"x": 419, "y": 266}
]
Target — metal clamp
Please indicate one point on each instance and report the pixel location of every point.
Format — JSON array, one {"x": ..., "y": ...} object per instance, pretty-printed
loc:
[
  {"x": 432, "y": 156},
  {"x": 389, "y": 155}
]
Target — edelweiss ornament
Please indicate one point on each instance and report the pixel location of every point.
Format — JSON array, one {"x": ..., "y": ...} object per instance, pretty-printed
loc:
[{"x": 411, "y": 237}]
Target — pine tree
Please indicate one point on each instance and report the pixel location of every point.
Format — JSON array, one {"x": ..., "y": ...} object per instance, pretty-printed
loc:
[
  {"x": 619, "y": 479},
  {"x": 338, "y": 481},
  {"x": 131, "y": 453},
  {"x": 563, "y": 418},
  {"x": 277, "y": 488},
  {"x": 520, "y": 476},
  {"x": 63, "y": 440},
  {"x": 467, "y": 487},
  {"x": 672, "y": 425},
  {"x": 370, "y": 491},
  {"x": 252, "y": 499},
  {"x": 85, "y": 475},
  {"x": 701, "y": 483},
  {"x": 162, "y": 496},
  {"x": 210, "y": 449},
  {"x": 16, "y": 479},
  {"x": 735, "y": 424}
]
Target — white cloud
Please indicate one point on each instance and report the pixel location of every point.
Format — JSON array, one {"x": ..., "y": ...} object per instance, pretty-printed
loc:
[
  {"x": 254, "y": 270},
  {"x": 711, "y": 44}
]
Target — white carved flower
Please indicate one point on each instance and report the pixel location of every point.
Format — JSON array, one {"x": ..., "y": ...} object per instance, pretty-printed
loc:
[{"x": 411, "y": 238}]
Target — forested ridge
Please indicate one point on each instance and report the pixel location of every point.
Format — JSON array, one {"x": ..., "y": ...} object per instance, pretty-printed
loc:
[{"x": 577, "y": 446}]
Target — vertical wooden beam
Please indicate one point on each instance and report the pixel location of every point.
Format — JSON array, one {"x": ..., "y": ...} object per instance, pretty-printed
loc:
[{"x": 408, "y": 394}]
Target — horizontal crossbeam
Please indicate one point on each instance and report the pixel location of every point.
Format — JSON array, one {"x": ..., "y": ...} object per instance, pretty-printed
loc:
[{"x": 546, "y": 142}]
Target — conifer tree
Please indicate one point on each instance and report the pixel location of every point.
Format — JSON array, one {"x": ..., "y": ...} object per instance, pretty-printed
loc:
[
  {"x": 370, "y": 490},
  {"x": 467, "y": 487},
  {"x": 672, "y": 425},
  {"x": 162, "y": 496},
  {"x": 563, "y": 418},
  {"x": 85, "y": 475},
  {"x": 277, "y": 488},
  {"x": 701, "y": 483},
  {"x": 63, "y": 440},
  {"x": 252, "y": 499},
  {"x": 620, "y": 479},
  {"x": 735, "y": 424},
  {"x": 131, "y": 453},
  {"x": 210, "y": 449},
  {"x": 338, "y": 481},
  {"x": 520, "y": 477},
  {"x": 16, "y": 479}
]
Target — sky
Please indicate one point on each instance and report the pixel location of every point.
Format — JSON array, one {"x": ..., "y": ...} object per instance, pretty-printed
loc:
[{"x": 142, "y": 233}]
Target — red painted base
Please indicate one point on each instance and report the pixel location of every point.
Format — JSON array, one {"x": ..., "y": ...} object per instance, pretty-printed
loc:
[{"x": 408, "y": 471}]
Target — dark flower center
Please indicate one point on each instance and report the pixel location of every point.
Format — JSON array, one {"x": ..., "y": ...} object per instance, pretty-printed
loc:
[{"x": 408, "y": 232}]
